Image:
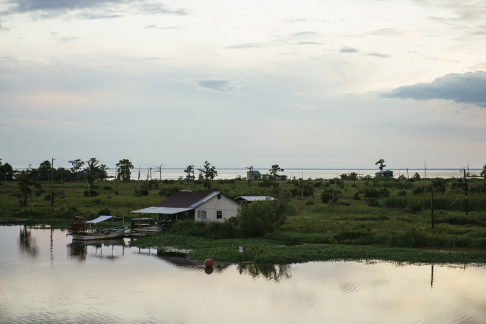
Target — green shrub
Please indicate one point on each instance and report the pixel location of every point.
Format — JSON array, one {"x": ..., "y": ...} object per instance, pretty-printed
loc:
[
  {"x": 414, "y": 206},
  {"x": 262, "y": 217},
  {"x": 384, "y": 192},
  {"x": 372, "y": 202},
  {"x": 143, "y": 192},
  {"x": 93, "y": 193},
  {"x": 210, "y": 230},
  {"x": 371, "y": 193},
  {"x": 105, "y": 211},
  {"x": 356, "y": 196},
  {"x": 325, "y": 197},
  {"x": 169, "y": 191},
  {"x": 418, "y": 191},
  {"x": 107, "y": 188},
  {"x": 402, "y": 193},
  {"x": 47, "y": 197},
  {"x": 309, "y": 202}
]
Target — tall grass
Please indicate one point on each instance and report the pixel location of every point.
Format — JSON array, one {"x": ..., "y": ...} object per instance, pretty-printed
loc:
[{"x": 441, "y": 202}]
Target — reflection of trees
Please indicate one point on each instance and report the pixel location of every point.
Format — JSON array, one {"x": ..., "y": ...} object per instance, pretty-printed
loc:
[
  {"x": 77, "y": 252},
  {"x": 27, "y": 243},
  {"x": 275, "y": 272}
]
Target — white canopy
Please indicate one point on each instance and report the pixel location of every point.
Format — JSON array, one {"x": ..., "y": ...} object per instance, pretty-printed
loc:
[
  {"x": 99, "y": 219},
  {"x": 161, "y": 210},
  {"x": 255, "y": 198}
]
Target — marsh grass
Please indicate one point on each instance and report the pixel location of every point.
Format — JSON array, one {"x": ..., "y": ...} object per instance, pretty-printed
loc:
[{"x": 394, "y": 224}]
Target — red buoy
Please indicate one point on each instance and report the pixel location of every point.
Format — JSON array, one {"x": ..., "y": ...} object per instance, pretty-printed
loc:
[{"x": 208, "y": 263}]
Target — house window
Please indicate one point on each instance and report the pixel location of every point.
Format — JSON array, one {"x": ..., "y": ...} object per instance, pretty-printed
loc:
[
  {"x": 201, "y": 214},
  {"x": 219, "y": 214}
]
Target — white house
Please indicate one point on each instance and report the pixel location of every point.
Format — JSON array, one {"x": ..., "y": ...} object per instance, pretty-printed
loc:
[{"x": 195, "y": 205}]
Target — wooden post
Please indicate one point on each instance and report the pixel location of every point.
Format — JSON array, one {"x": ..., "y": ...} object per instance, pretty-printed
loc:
[
  {"x": 465, "y": 190},
  {"x": 52, "y": 188},
  {"x": 432, "y": 204}
]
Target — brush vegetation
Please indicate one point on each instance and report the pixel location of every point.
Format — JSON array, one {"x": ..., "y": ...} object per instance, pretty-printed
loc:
[{"x": 385, "y": 213}]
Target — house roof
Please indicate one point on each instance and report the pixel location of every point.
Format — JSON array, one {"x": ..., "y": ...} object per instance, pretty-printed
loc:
[
  {"x": 254, "y": 198},
  {"x": 187, "y": 199},
  {"x": 179, "y": 202}
]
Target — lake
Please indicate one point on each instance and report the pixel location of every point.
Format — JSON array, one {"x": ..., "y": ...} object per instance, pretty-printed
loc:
[
  {"x": 176, "y": 173},
  {"x": 44, "y": 278}
]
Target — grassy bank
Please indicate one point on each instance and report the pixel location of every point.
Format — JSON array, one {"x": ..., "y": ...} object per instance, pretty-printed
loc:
[
  {"x": 269, "y": 251},
  {"x": 383, "y": 213}
]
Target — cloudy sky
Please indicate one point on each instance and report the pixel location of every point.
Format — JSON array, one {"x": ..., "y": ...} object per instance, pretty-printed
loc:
[{"x": 312, "y": 84}]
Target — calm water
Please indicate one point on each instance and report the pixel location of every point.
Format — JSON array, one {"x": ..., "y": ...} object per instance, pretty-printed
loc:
[
  {"x": 46, "y": 279},
  {"x": 174, "y": 174}
]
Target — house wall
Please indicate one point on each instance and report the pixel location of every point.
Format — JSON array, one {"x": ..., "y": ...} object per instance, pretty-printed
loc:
[{"x": 228, "y": 206}]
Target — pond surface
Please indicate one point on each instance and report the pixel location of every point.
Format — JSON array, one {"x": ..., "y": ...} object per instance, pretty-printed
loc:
[{"x": 44, "y": 278}]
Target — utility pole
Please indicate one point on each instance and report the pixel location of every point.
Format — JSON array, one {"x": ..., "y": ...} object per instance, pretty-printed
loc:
[
  {"x": 425, "y": 178},
  {"x": 5, "y": 175},
  {"x": 52, "y": 177},
  {"x": 407, "y": 174},
  {"x": 139, "y": 188},
  {"x": 62, "y": 179},
  {"x": 303, "y": 184},
  {"x": 465, "y": 189},
  {"x": 432, "y": 204}
]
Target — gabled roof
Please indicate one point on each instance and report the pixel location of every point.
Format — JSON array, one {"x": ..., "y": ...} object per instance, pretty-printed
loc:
[
  {"x": 187, "y": 199},
  {"x": 179, "y": 202}
]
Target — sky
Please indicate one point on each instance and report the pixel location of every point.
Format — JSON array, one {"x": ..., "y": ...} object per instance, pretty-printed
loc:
[{"x": 302, "y": 84}]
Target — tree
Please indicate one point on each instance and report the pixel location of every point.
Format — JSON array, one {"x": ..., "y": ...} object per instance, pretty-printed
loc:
[
  {"x": 274, "y": 172},
  {"x": 483, "y": 172},
  {"x": 381, "y": 165},
  {"x": 190, "y": 174},
  {"x": 94, "y": 171},
  {"x": 124, "y": 172},
  {"x": 77, "y": 165},
  {"x": 209, "y": 173},
  {"x": 262, "y": 217},
  {"x": 6, "y": 172},
  {"x": 44, "y": 171},
  {"x": 26, "y": 180},
  {"x": 416, "y": 176}
]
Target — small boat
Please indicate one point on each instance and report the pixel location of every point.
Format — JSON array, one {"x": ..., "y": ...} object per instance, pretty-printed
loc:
[{"x": 83, "y": 230}]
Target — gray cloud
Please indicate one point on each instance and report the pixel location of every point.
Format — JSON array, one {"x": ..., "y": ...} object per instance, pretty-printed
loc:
[
  {"x": 249, "y": 45},
  {"x": 155, "y": 27},
  {"x": 385, "y": 32},
  {"x": 348, "y": 50},
  {"x": 304, "y": 33},
  {"x": 219, "y": 85},
  {"x": 90, "y": 15},
  {"x": 157, "y": 8},
  {"x": 54, "y": 8},
  {"x": 378, "y": 55},
  {"x": 289, "y": 21},
  {"x": 308, "y": 43},
  {"x": 469, "y": 88},
  {"x": 287, "y": 40}
]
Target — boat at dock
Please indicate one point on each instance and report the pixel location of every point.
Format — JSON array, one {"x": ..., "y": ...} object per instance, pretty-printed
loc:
[
  {"x": 143, "y": 227},
  {"x": 82, "y": 230}
]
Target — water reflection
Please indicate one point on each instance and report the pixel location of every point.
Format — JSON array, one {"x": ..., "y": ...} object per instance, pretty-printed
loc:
[
  {"x": 275, "y": 272},
  {"x": 27, "y": 243},
  {"x": 166, "y": 287},
  {"x": 79, "y": 249}
]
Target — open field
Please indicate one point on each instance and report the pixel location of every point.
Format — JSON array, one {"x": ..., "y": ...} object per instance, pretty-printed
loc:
[{"x": 396, "y": 217}]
